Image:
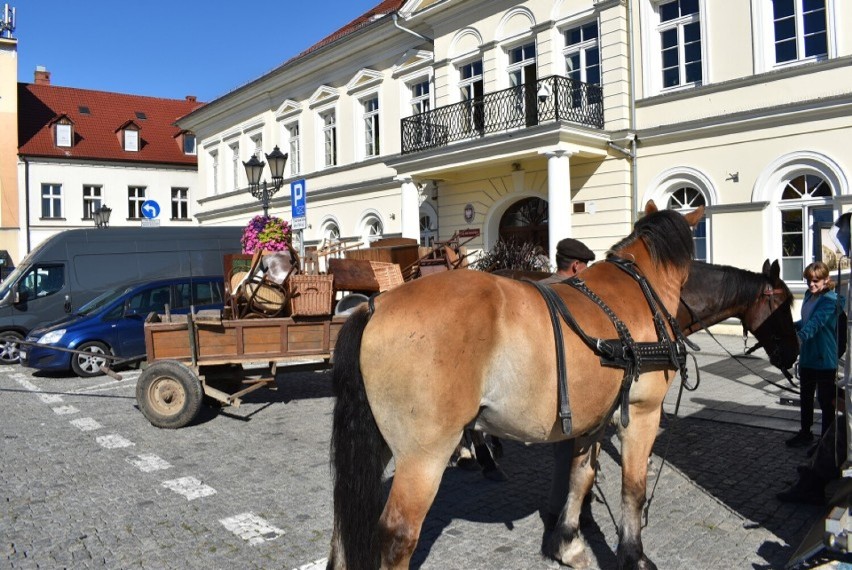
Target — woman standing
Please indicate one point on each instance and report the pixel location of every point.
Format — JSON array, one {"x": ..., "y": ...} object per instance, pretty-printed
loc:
[{"x": 817, "y": 333}]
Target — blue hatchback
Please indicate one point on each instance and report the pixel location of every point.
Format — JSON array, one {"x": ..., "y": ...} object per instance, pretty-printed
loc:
[{"x": 114, "y": 323}]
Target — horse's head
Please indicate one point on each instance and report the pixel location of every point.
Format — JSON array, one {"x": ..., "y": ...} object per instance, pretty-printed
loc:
[{"x": 770, "y": 319}]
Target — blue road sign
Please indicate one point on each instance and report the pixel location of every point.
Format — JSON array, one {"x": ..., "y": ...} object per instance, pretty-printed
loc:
[
  {"x": 150, "y": 209},
  {"x": 297, "y": 198}
]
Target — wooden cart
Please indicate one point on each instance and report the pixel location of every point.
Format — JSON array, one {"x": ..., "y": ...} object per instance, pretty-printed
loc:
[{"x": 188, "y": 353}]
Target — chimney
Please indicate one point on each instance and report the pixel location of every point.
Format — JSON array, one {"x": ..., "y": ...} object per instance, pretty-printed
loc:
[
  {"x": 191, "y": 98},
  {"x": 42, "y": 75}
]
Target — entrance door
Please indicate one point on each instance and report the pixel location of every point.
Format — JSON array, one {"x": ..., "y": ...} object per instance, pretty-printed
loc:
[{"x": 526, "y": 221}]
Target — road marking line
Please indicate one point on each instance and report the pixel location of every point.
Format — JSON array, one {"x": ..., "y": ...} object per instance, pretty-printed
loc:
[
  {"x": 46, "y": 398},
  {"x": 102, "y": 387},
  {"x": 149, "y": 463},
  {"x": 86, "y": 424},
  {"x": 189, "y": 487},
  {"x": 113, "y": 441},
  {"x": 315, "y": 565},
  {"x": 65, "y": 410},
  {"x": 252, "y": 528}
]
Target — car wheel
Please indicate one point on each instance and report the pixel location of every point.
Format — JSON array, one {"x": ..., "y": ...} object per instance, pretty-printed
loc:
[
  {"x": 9, "y": 347},
  {"x": 89, "y": 364}
]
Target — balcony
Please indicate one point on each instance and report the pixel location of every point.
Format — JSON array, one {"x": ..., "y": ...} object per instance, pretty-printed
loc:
[{"x": 551, "y": 99}]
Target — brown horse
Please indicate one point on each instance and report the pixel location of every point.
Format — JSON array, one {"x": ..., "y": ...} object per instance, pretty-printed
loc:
[
  {"x": 713, "y": 293},
  {"x": 465, "y": 347}
]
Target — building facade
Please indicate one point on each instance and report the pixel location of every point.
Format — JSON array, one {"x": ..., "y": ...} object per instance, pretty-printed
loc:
[
  {"x": 80, "y": 150},
  {"x": 542, "y": 119}
]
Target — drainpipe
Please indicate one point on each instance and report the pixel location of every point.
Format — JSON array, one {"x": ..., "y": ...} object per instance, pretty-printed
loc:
[
  {"x": 412, "y": 32},
  {"x": 27, "y": 200},
  {"x": 634, "y": 175}
]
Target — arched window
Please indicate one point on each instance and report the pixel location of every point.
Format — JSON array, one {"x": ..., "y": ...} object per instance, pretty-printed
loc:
[
  {"x": 806, "y": 210},
  {"x": 685, "y": 199},
  {"x": 330, "y": 232},
  {"x": 372, "y": 229},
  {"x": 526, "y": 221},
  {"x": 428, "y": 224}
]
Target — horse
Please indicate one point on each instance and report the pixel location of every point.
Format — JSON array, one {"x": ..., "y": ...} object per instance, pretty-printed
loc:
[
  {"x": 711, "y": 294},
  {"x": 424, "y": 360}
]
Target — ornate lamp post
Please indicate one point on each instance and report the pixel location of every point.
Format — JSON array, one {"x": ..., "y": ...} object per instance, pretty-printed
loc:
[
  {"x": 101, "y": 216},
  {"x": 254, "y": 170}
]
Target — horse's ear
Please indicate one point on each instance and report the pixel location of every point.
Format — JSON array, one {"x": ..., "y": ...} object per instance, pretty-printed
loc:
[
  {"x": 766, "y": 267},
  {"x": 650, "y": 207},
  {"x": 694, "y": 216},
  {"x": 775, "y": 271}
]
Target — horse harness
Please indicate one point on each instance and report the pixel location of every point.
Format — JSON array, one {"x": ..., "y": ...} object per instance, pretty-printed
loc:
[{"x": 633, "y": 357}]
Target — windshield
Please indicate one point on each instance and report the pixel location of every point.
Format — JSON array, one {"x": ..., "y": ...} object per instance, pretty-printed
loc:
[
  {"x": 103, "y": 300},
  {"x": 11, "y": 279}
]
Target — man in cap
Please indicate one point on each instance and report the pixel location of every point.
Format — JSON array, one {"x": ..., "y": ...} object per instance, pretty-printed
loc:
[{"x": 572, "y": 256}]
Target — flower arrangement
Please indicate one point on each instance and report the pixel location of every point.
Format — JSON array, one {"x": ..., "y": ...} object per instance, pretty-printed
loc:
[{"x": 266, "y": 233}]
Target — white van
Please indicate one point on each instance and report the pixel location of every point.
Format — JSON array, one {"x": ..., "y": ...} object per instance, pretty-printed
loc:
[{"x": 72, "y": 267}]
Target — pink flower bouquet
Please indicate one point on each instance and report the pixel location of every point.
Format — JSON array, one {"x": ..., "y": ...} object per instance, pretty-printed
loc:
[{"x": 266, "y": 234}]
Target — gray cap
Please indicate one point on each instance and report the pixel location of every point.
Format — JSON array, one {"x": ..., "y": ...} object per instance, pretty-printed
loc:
[{"x": 570, "y": 248}]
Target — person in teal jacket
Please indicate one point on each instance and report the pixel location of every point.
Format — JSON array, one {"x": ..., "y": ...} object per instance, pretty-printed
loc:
[{"x": 817, "y": 332}]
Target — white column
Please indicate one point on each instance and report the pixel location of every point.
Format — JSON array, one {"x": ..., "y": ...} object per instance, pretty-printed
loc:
[
  {"x": 558, "y": 197},
  {"x": 409, "y": 208}
]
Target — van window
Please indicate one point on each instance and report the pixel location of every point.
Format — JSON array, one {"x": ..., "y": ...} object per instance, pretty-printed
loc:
[
  {"x": 198, "y": 293},
  {"x": 149, "y": 300},
  {"x": 42, "y": 280}
]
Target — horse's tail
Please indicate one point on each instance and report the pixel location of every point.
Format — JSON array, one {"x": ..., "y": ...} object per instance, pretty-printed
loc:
[{"x": 358, "y": 453}]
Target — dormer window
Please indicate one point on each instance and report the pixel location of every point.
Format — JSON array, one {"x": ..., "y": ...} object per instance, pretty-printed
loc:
[
  {"x": 188, "y": 143},
  {"x": 129, "y": 136},
  {"x": 63, "y": 131}
]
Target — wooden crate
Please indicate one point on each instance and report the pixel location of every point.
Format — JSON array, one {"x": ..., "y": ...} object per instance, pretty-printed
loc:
[{"x": 311, "y": 295}]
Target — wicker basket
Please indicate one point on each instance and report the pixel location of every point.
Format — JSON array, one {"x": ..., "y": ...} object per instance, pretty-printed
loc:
[
  {"x": 388, "y": 275},
  {"x": 311, "y": 294}
]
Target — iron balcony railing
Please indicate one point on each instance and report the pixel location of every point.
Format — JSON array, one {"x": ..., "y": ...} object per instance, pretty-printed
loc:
[{"x": 553, "y": 98}]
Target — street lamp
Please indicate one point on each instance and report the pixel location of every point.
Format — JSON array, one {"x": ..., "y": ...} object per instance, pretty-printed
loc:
[
  {"x": 101, "y": 216},
  {"x": 254, "y": 170}
]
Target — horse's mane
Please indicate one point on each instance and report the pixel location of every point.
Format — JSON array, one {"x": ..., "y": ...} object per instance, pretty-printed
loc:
[
  {"x": 667, "y": 236},
  {"x": 734, "y": 284}
]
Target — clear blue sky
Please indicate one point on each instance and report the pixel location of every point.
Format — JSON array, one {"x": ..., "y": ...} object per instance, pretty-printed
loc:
[{"x": 170, "y": 48}]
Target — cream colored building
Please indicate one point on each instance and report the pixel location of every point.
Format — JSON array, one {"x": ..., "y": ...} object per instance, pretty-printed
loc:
[{"x": 542, "y": 119}]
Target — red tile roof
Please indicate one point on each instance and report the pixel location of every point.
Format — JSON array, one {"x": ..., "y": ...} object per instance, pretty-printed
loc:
[{"x": 95, "y": 135}]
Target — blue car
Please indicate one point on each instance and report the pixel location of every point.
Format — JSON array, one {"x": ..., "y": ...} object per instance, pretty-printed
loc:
[{"x": 113, "y": 323}]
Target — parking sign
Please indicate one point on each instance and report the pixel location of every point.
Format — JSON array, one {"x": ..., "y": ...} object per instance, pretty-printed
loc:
[{"x": 297, "y": 198}]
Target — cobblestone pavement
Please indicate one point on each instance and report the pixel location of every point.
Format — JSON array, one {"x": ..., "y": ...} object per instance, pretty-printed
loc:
[{"x": 87, "y": 482}]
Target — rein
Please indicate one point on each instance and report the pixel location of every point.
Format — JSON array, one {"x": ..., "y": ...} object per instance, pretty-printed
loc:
[{"x": 668, "y": 353}]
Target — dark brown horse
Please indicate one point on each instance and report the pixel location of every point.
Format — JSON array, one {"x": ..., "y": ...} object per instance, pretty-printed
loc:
[{"x": 465, "y": 347}]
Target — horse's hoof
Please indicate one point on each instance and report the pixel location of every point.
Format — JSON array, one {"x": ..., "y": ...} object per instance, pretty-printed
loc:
[
  {"x": 468, "y": 464},
  {"x": 572, "y": 554},
  {"x": 495, "y": 474}
]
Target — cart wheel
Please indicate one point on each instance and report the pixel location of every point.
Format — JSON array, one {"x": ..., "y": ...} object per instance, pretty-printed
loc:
[{"x": 169, "y": 394}]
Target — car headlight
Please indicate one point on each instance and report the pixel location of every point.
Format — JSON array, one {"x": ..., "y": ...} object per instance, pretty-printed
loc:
[{"x": 51, "y": 337}]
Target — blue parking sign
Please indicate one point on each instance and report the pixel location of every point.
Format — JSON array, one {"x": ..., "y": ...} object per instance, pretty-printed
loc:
[{"x": 297, "y": 198}]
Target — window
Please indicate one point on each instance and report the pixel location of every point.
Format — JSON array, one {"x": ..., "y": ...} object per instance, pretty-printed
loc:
[
  {"x": 428, "y": 225},
  {"x": 421, "y": 103},
  {"x": 295, "y": 148},
  {"x": 135, "y": 199},
  {"x": 372, "y": 229},
  {"x": 235, "y": 166},
  {"x": 131, "y": 140},
  {"x": 420, "y": 100},
  {"x": 472, "y": 93},
  {"x": 189, "y": 143},
  {"x": 805, "y": 209},
  {"x": 800, "y": 29},
  {"x": 180, "y": 203},
  {"x": 198, "y": 293},
  {"x": 214, "y": 172},
  {"x": 680, "y": 43},
  {"x": 526, "y": 221},
  {"x": 150, "y": 300},
  {"x": 51, "y": 200},
  {"x": 371, "y": 126},
  {"x": 63, "y": 134},
  {"x": 685, "y": 200},
  {"x": 257, "y": 141},
  {"x": 331, "y": 233},
  {"x": 91, "y": 200},
  {"x": 582, "y": 55},
  {"x": 41, "y": 281},
  {"x": 329, "y": 136},
  {"x": 522, "y": 78}
]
